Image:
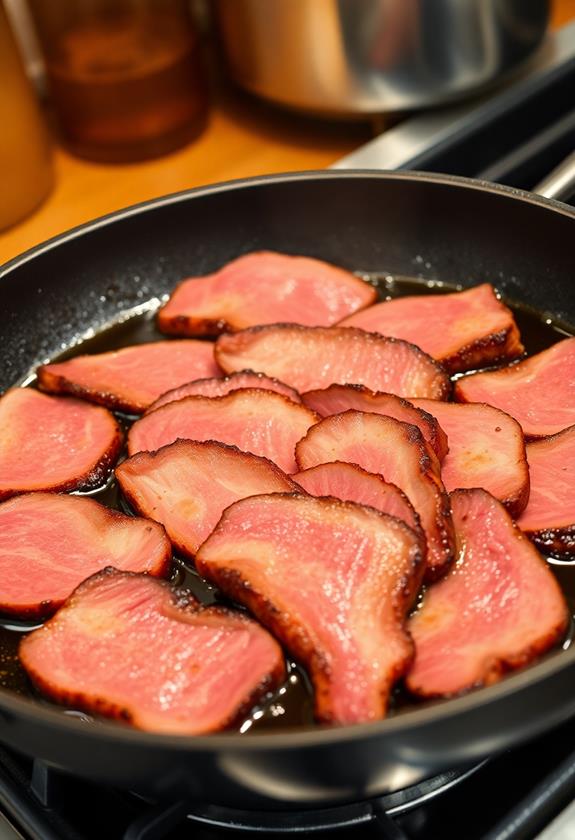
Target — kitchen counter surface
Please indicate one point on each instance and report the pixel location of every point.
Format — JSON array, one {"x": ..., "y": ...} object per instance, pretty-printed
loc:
[{"x": 244, "y": 137}]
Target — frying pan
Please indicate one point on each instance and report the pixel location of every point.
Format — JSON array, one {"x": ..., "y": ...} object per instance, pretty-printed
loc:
[{"x": 434, "y": 226}]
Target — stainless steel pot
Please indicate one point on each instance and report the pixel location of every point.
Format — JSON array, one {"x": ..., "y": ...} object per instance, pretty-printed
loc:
[{"x": 371, "y": 56}]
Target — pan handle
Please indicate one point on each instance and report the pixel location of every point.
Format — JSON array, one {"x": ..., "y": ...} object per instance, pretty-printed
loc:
[{"x": 560, "y": 183}]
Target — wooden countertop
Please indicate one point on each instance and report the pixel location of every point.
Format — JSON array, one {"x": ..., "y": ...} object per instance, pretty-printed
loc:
[{"x": 243, "y": 137}]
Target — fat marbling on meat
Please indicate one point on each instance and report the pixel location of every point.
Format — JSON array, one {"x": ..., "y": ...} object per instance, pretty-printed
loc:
[
  {"x": 486, "y": 449},
  {"x": 219, "y": 386},
  {"x": 463, "y": 330},
  {"x": 351, "y": 483},
  {"x": 187, "y": 484},
  {"x": 49, "y": 543},
  {"x": 398, "y": 452},
  {"x": 339, "y": 398},
  {"x": 538, "y": 392},
  {"x": 333, "y": 581},
  {"x": 498, "y": 608},
  {"x": 261, "y": 422},
  {"x": 310, "y": 358},
  {"x": 131, "y": 378},
  {"x": 261, "y": 288},
  {"x": 131, "y": 647},
  {"x": 54, "y": 443},
  {"x": 549, "y": 518}
]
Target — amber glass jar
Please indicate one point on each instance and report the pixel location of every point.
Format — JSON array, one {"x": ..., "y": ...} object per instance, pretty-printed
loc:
[
  {"x": 25, "y": 160},
  {"x": 125, "y": 76}
]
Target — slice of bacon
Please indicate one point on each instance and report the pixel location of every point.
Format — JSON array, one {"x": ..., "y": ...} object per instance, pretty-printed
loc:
[
  {"x": 549, "y": 518},
  {"x": 497, "y": 610},
  {"x": 262, "y": 288},
  {"x": 309, "y": 358},
  {"x": 339, "y": 398},
  {"x": 539, "y": 392},
  {"x": 133, "y": 377},
  {"x": 462, "y": 330},
  {"x": 486, "y": 449},
  {"x": 398, "y": 452},
  {"x": 187, "y": 485},
  {"x": 133, "y": 648},
  {"x": 54, "y": 443},
  {"x": 219, "y": 386},
  {"x": 333, "y": 581},
  {"x": 50, "y": 543},
  {"x": 261, "y": 422},
  {"x": 351, "y": 483}
]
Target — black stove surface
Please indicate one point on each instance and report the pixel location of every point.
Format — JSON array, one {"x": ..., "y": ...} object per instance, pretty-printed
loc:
[{"x": 510, "y": 797}]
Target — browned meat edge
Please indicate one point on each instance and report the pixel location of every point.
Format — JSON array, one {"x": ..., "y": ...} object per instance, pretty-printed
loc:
[
  {"x": 437, "y": 438},
  {"x": 294, "y": 638},
  {"x": 492, "y": 349},
  {"x": 101, "y": 706},
  {"x": 181, "y": 549},
  {"x": 88, "y": 481},
  {"x": 188, "y": 325},
  {"x": 373, "y": 336},
  {"x": 59, "y": 384}
]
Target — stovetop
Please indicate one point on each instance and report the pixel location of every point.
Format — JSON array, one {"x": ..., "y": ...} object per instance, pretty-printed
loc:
[
  {"x": 514, "y": 136},
  {"x": 511, "y": 797}
]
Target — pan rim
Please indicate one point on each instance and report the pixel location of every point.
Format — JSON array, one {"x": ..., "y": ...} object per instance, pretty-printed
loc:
[
  {"x": 282, "y": 177},
  {"x": 316, "y": 736}
]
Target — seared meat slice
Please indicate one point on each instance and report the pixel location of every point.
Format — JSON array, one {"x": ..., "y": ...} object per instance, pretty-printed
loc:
[
  {"x": 187, "y": 485},
  {"x": 339, "y": 398},
  {"x": 49, "y": 544},
  {"x": 54, "y": 443},
  {"x": 133, "y": 377},
  {"x": 398, "y": 452},
  {"x": 498, "y": 609},
  {"x": 219, "y": 386},
  {"x": 308, "y": 358},
  {"x": 486, "y": 449},
  {"x": 133, "y": 648},
  {"x": 549, "y": 518},
  {"x": 260, "y": 422},
  {"x": 262, "y": 288},
  {"x": 333, "y": 581},
  {"x": 351, "y": 483},
  {"x": 539, "y": 392},
  {"x": 462, "y": 330}
]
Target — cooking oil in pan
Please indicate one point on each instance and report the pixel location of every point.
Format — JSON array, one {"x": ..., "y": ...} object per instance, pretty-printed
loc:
[{"x": 292, "y": 704}]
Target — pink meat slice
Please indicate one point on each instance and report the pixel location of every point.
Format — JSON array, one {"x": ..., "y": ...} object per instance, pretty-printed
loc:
[
  {"x": 497, "y": 610},
  {"x": 463, "y": 330},
  {"x": 219, "y": 386},
  {"x": 192, "y": 669},
  {"x": 261, "y": 422},
  {"x": 54, "y": 443},
  {"x": 309, "y": 358},
  {"x": 133, "y": 377},
  {"x": 187, "y": 485},
  {"x": 350, "y": 483},
  {"x": 398, "y": 452},
  {"x": 486, "y": 449},
  {"x": 538, "y": 392},
  {"x": 333, "y": 581},
  {"x": 549, "y": 518},
  {"x": 50, "y": 543},
  {"x": 262, "y": 288},
  {"x": 339, "y": 398}
]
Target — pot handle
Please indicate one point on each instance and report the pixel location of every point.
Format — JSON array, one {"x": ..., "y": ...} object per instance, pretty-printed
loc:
[{"x": 560, "y": 183}]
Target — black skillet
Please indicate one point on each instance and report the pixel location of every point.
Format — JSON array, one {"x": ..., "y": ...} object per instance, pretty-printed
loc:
[{"x": 434, "y": 227}]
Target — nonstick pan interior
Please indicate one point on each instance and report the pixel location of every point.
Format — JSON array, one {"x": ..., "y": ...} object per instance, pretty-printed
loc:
[{"x": 425, "y": 227}]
